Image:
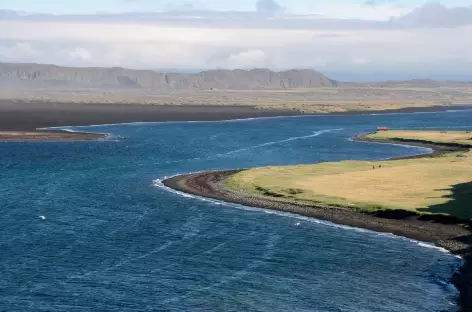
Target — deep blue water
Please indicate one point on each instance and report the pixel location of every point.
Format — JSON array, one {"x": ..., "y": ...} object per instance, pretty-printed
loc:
[{"x": 114, "y": 240}]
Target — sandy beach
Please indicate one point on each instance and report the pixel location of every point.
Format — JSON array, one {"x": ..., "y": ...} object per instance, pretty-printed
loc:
[{"x": 447, "y": 232}]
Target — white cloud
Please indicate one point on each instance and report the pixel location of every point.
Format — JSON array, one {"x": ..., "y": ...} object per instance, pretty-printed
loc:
[
  {"x": 79, "y": 54},
  {"x": 18, "y": 52},
  {"x": 381, "y": 12},
  {"x": 245, "y": 60},
  {"x": 360, "y": 61},
  {"x": 438, "y": 15}
]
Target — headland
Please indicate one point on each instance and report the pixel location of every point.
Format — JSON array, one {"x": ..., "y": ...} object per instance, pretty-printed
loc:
[{"x": 404, "y": 196}]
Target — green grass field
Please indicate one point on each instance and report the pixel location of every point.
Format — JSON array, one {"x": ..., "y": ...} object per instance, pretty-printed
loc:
[{"x": 441, "y": 184}]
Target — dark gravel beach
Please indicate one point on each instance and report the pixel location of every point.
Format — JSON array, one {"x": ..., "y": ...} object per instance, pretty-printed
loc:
[
  {"x": 17, "y": 115},
  {"x": 29, "y": 116}
]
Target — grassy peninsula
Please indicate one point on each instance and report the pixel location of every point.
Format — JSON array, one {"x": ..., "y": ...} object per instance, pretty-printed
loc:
[
  {"x": 426, "y": 185},
  {"x": 426, "y": 197}
]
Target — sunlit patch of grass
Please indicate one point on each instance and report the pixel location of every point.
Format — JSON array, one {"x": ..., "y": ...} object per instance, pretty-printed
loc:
[{"x": 409, "y": 184}]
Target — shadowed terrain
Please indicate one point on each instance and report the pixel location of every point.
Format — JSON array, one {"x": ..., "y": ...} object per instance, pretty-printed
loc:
[{"x": 459, "y": 201}]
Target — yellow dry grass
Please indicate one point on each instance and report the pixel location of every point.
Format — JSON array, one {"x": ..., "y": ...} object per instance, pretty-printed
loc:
[{"x": 412, "y": 184}]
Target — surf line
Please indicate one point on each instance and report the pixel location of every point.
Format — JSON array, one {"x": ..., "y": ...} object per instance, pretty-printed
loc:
[{"x": 158, "y": 183}]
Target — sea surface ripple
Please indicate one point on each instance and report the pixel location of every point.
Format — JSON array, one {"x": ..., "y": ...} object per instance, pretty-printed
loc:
[{"x": 87, "y": 226}]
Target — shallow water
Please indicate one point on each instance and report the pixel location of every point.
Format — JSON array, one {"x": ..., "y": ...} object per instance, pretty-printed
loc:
[{"x": 112, "y": 240}]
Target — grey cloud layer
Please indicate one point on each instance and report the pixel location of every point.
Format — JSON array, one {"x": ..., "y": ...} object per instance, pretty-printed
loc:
[
  {"x": 428, "y": 15},
  {"x": 437, "y": 15},
  {"x": 243, "y": 40}
]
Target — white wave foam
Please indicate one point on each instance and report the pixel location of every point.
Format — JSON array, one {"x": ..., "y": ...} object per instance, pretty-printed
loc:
[
  {"x": 158, "y": 183},
  {"x": 458, "y": 110},
  {"x": 431, "y": 246},
  {"x": 70, "y": 130},
  {"x": 314, "y": 134},
  {"x": 253, "y": 118},
  {"x": 182, "y": 122}
]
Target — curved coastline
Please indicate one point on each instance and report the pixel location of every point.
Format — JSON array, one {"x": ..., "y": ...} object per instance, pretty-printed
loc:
[
  {"x": 450, "y": 233},
  {"x": 36, "y": 116}
]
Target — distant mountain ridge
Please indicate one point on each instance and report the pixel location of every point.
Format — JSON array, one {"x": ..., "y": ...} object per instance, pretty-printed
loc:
[{"x": 39, "y": 75}]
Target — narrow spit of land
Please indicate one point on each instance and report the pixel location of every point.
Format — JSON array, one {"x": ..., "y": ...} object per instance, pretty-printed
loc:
[
  {"x": 426, "y": 197},
  {"x": 27, "y": 116},
  {"x": 48, "y": 136}
]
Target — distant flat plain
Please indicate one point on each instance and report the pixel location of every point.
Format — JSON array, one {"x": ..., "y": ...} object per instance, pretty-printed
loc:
[{"x": 361, "y": 97}]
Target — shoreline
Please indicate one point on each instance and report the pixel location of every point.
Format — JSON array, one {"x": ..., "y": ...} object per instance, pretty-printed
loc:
[
  {"x": 17, "y": 115},
  {"x": 49, "y": 136},
  {"x": 436, "y": 149},
  {"x": 30, "y": 116},
  {"x": 447, "y": 232}
]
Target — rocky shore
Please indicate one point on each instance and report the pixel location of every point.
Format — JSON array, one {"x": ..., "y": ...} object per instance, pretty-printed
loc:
[{"x": 450, "y": 233}]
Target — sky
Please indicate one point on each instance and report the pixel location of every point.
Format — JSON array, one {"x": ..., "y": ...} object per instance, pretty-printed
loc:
[
  {"x": 332, "y": 7},
  {"x": 351, "y": 39}
]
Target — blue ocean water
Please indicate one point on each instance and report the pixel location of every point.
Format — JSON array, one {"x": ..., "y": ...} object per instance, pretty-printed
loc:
[{"x": 113, "y": 239}]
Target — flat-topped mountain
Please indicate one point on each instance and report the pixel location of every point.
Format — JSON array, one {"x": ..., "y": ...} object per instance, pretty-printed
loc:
[{"x": 39, "y": 75}]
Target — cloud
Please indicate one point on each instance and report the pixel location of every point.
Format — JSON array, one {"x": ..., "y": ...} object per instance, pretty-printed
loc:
[
  {"x": 147, "y": 46},
  {"x": 180, "y": 7},
  {"x": 249, "y": 39},
  {"x": 360, "y": 61},
  {"x": 248, "y": 59},
  {"x": 269, "y": 7},
  {"x": 374, "y": 3},
  {"x": 19, "y": 52},
  {"x": 79, "y": 54},
  {"x": 437, "y": 15},
  {"x": 376, "y": 11}
]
